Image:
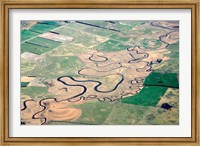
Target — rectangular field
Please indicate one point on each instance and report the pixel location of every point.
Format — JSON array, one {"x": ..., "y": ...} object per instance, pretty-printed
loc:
[{"x": 38, "y": 45}]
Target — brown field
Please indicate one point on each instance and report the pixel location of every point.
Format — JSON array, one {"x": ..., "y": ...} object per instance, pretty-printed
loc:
[{"x": 56, "y": 37}]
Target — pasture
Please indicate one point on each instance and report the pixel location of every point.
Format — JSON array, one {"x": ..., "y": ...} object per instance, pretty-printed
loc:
[
  {"x": 38, "y": 45},
  {"x": 111, "y": 46},
  {"x": 148, "y": 96},
  {"x": 27, "y": 34}
]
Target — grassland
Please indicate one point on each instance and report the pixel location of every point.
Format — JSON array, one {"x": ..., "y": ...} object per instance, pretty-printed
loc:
[
  {"x": 56, "y": 66},
  {"x": 27, "y": 34},
  {"x": 99, "y": 31},
  {"x": 146, "y": 43},
  {"x": 67, "y": 50},
  {"x": 34, "y": 91},
  {"x": 85, "y": 36},
  {"x": 95, "y": 22},
  {"x": 32, "y": 48},
  {"x": 81, "y": 38},
  {"x": 77, "y": 26},
  {"x": 45, "y": 42},
  {"x": 95, "y": 112},
  {"x": 171, "y": 65},
  {"x": 111, "y": 46},
  {"x": 162, "y": 79},
  {"x": 38, "y": 45},
  {"x": 51, "y": 59},
  {"x": 155, "y": 86},
  {"x": 148, "y": 96},
  {"x": 143, "y": 31},
  {"x": 126, "y": 26},
  {"x": 118, "y": 113},
  {"x": 129, "y": 114},
  {"x": 45, "y": 26},
  {"x": 120, "y": 38},
  {"x": 121, "y": 26},
  {"x": 27, "y": 66}
]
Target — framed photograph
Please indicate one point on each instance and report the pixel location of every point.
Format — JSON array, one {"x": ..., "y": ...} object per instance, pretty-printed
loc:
[{"x": 104, "y": 73}]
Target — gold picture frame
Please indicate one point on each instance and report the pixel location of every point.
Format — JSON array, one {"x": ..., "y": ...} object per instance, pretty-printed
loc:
[{"x": 116, "y": 4}]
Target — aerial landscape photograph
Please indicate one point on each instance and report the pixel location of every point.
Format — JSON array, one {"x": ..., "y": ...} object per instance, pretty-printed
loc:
[{"x": 99, "y": 72}]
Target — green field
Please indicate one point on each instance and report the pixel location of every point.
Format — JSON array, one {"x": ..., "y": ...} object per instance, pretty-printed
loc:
[
  {"x": 119, "y": 38},
  {"x": 98, "y": 59},
  {"x": 41, "y": 28},
  {"x": 38, "y": 29},
  {"x": 99, "y": 31},
  {"x": 80, "y": 37},
  {"x": 26, "y": 47},
  {"x": 77, "y": 26},
  {"x": 27, "y": 66},
  {"x": 123, "y": 27},
  {"x": 55, "y": 66},
  {"x": 129, "y": 114},
  {"x": 34, "y": 91},
  {"x": 95, "y": 112},
  {"x": 143, "y": 31},
  {"x": 67, "y": 50},
  {"x": 38, "y": 45},
  {"x": 68, "y": 32},
  {"x": 145, "y": 43},
  {"x": 148, "y": 96},
  {"x": 171, "y": 66},
  {"x": 162, "y": 79},
  {"x": 27, "y": 34},
  {"x": 109, "y": 113},
  {"x": 24, "y": 84},
  {"x": 45, "y": 42},
  {"x": 127, "y": 26},
  {"x": 111, "y": 46},
  {"x": 155, "y": 86},
  {"x": 95, "y": 22},
  {"x": 96, "y": 30},
  {"x": 118, "y": 113}
]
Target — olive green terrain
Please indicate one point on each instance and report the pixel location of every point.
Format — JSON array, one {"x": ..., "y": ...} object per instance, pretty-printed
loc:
[{"x": 46, "y": 60}]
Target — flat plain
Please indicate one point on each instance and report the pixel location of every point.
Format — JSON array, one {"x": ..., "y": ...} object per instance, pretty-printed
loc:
[{"x": 99, "y": 72}]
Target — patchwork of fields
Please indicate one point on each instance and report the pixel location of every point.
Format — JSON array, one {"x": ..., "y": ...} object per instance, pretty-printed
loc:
[{"x": 99, "y": 72}]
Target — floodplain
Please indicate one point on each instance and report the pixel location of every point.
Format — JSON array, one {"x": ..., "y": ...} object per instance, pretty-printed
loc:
[{"x": 99, "y": 72}]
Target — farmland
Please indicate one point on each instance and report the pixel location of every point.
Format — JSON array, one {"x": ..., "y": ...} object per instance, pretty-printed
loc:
[{"x": 95, "y": 72}]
